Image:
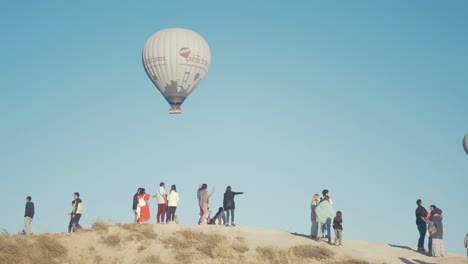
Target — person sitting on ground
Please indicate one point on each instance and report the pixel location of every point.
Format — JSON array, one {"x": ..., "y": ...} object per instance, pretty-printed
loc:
[{"x": 219, "y": 218}]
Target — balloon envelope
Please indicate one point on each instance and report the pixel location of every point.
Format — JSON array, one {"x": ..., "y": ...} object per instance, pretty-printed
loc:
[
  {"x": 465, "y": 143},
  {"x": 176, "y": 60}
]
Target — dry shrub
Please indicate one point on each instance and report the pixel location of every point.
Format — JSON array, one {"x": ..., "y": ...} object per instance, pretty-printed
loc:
[
  {"x": 141, "y": 248},
  {"x": 100, "y": 227},
  {"x": 39, "y": 249},
  {"x": 111, "y": 240},
  {"x": 274, "y": 255},
  {"x": 98, "y": 259},
  {"x": 240, "y": 247},
  {"x": 139, "y": 232},
  {"x": 153, "y": 259},
  {"x": 184, "y": 257},
  {"x": 211, "y": 245},
  {"x": 293, "y": 254},
  {"x": 4, "y": 232},
  {"x": 312, "y": 252},
  {"x": 240, "y": 239}
]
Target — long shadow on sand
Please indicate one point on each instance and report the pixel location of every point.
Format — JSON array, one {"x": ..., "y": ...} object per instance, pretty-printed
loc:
[
  {"x": 408, "y": 248},
  {"x": 300, "y": 235},
  {"x": 414, "y": 261}
]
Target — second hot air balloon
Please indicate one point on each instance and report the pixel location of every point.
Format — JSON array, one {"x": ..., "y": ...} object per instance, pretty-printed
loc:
[{"x": 176, "y": 60}]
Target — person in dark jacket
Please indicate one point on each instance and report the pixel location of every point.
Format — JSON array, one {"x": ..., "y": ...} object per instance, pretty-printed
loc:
[
  {"x": 437, "y": 237},
  {"x": 421, "y": 214},
  {"x": 77, "y": 207},
  {"x": 28, "y": 215},
  {"x": 229, "y": 205},
  {"x": 337, "y": 225},
  {"x": 134, "y": 206}
]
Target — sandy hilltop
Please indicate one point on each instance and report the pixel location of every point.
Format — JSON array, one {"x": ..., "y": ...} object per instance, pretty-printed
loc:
[{"x": 149, "y": 243}]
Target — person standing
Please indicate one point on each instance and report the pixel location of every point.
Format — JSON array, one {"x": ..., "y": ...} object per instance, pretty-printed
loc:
[
  {"x": 162, "y": 203},
  {"x": 229, "y": 205},
  {"x": 323, "y": 226},
  {"x": 172, "y": 203},
  {"x": 143, "y": 210},
  {"x": 421, "y": 214},
  {"x": 203, "y": 202},
  {"x": 77, "y": 207},
  {"x": 437, "y": 237},
  {"x": 135, "y": 205},
  {"x": 28, "y": 215},
  {"x": 325, "y": 214},
  {"x": 337, "y": 225},
  {"x": 313, "y": 217}
]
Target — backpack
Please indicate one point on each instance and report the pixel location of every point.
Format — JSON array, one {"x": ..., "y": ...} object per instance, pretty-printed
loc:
[{"x": 141, "y": 201}]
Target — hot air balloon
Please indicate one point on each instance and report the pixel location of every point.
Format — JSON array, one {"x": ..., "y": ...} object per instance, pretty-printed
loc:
[
  {"x": 176, "y": 60},
  {"x": 465, "y": 143}
]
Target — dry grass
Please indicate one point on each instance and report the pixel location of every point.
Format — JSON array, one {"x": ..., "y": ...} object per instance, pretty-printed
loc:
[
  {"x": 141, "y": 248},
  {"x": 111, "y": 240},
  {"x": 153, "y": 259},
  {"x": 38, "y": 249},
  {"x": 312, "y": 252},
  {"x": 209, "y": 245},
  {"x": 98, "y": 259},
  {"x": 139, "y": 232},
  {"x": 184, "y": 257},
  {"x": 100, "y": 227},
  {"x": 294, "y": 254},
  {"x": 240, "y": 247}
]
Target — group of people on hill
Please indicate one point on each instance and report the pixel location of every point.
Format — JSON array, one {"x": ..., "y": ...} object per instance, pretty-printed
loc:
[
  {"x": 167, "y": 205},
  {"x": 168, "y": 202},
  {"x": 322, "y": 214},
  {"x": 225, "y": 214},
  {"x": 430, "y": 223}
]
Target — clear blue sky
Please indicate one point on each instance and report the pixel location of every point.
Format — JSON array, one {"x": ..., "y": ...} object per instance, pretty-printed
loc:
[{"x": 365, "y": 98}]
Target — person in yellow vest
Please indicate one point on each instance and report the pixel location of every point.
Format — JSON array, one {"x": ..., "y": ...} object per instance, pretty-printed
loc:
[{"x": 77, "y": 207}]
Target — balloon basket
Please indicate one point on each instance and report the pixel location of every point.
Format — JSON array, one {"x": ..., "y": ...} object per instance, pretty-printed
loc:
[{"x": 175, "y": 111}]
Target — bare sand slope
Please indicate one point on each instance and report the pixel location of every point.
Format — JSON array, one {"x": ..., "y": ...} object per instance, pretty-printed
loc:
[{"x": 150, "y": 243}]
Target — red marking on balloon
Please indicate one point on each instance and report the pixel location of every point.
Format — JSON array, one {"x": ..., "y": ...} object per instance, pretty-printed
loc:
[{"x": 184, "y": 52}]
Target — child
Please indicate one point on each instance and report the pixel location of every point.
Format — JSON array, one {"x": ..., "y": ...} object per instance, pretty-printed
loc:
[
  {"x": 338, "y": 227},
  {"x": 219, "y": 218}
]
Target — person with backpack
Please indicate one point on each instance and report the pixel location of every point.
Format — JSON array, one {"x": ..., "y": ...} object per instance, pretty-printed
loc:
[
  {"x": 143, "y": 211},
  {"x": 172, "y": 202},
  {"x": 337, "y": 225},
  {"x": 229, "y": 205}
]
